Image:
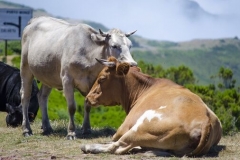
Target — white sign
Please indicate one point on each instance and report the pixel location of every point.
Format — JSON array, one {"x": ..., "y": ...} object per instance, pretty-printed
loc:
[{"x": 12, "y": 22}]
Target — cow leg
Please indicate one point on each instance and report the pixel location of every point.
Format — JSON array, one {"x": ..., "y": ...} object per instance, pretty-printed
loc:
[
  {"x": 122, "y": 146},
  {"x": 68, "y": 90},
  {"x": 43, "y": 95},
  {"x": 121, "y": 131},
  {"x": 114, "y": 148},
  {"x": 86, "y": 128},
  {"x": 25, "y": 91},
  {"x": 127, "y": 142}
]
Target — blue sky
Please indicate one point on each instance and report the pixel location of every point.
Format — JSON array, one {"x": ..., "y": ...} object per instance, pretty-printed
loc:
[{"x": 173, "y": 20}]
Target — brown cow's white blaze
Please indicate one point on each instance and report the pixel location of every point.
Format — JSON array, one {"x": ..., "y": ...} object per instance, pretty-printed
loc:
[
  {"x": 147, "y": 115},
  {"x": 160, "y": 114}
]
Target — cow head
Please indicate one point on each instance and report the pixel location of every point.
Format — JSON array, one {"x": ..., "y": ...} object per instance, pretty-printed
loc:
[
  {"x": 117, "y": 44},
  {"x": 108, "y": 84},
  {"x": 14, "y": 116}
]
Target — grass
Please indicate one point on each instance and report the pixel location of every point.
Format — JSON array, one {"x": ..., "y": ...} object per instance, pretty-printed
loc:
[{"x": 14, "y": 146}]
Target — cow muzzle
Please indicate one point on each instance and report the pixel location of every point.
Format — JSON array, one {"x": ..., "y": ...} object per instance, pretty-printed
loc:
[
  {"x": 133, "y": 64},
  {"x": 90, "y": 102}
]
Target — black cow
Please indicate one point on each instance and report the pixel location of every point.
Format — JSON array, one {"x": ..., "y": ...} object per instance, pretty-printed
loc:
[{"x": 10, "y": 99}]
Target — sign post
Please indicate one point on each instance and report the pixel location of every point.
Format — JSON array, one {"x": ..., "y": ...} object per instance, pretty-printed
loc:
[{"x": 12, "y": 23}]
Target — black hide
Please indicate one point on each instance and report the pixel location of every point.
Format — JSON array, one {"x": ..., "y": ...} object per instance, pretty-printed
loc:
[{"x": 10, "y": 99}]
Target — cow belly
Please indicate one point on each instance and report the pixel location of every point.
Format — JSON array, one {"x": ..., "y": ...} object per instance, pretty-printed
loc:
[
  {"x": 45, "y": 68},
  {"x": 48, "y": 76}
]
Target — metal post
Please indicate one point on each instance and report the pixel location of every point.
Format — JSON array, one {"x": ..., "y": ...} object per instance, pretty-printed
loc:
[
  {"x": 5, "y": 57},
  {"x": 19, "y": 24}
]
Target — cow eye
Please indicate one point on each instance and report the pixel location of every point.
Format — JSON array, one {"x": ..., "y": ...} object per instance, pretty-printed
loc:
[
  {"x": 101, "y": 79},
  {"x": 114, "y": 46}
]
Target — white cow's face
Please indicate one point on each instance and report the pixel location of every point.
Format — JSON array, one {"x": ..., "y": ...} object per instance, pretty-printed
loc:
[
  {"x": 120, "y": 48},
  {"x": 119, "y": 45}
]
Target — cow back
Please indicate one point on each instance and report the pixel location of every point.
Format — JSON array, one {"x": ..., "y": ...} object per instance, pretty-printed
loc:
[
  {"x": 9, "y": 83},
  {"x": 53, "y": 47}
]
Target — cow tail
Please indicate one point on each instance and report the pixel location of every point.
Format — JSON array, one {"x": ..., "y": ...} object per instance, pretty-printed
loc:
[{"x": 203, "y": 144}]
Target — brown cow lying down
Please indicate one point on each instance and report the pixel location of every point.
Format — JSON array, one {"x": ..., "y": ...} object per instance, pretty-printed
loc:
[{"x": 160, "y": 113}]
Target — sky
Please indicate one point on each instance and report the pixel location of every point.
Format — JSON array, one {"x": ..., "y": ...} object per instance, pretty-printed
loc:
[{"x": 171, "y": 20}]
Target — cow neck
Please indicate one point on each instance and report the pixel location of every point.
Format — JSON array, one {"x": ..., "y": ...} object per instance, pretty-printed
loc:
[{"x": 135, "y": 85}]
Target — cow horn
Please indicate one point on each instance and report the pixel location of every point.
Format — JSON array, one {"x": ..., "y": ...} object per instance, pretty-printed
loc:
[
  {"x": 106, "y": 63},
  {"x": 129, "y": 34},
  {"x": 104, "y": 34}
]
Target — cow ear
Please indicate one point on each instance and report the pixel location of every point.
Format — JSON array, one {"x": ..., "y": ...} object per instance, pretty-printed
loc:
[
  {"x": 97, "y": 38},
  {"x": 123, "y": 69}
]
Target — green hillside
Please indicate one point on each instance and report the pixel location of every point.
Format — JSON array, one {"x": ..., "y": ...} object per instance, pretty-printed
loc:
[{"x": 204, "y": 57}]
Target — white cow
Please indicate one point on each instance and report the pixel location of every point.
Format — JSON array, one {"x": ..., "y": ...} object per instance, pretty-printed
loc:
[{"x": 62, "y": 56}]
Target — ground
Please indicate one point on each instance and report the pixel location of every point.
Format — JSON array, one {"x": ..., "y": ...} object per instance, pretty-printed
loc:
[{"x": 14, "y": 146}]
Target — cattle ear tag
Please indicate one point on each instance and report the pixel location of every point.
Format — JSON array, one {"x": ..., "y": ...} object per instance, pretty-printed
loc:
[{"x": 123, "y": 69}]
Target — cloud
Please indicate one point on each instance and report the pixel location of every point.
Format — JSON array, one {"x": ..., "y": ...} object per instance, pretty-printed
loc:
[{"x": 186, "y": 20}]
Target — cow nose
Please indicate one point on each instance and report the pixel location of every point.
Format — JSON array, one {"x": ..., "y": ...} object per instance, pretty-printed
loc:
[{"x": 87, "y": 101}]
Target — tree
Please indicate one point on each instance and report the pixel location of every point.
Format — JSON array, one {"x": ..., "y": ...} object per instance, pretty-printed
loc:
[
  {"x": 154, "y": 71},
  {"x": 226, "y": 75},
  {"x": 181, "y": 75}
]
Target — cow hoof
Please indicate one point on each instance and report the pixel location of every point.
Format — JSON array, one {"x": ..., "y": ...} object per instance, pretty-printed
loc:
[
  {"x": 47, "y": 132},
  {"x": 27, "y": 134},
  {"x": 71, "y": 136},
  {"x": 83, "y": 148},
  {"x": 94, "y": 148},
  {"x": 86, "y": 149}
]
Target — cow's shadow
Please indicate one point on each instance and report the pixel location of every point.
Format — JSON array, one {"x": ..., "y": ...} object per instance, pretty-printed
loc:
[
  {"x": 215, "y": 150},
  {"x": 95, "y": 132}
]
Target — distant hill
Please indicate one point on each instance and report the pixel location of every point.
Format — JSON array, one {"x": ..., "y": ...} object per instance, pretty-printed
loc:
[{"x": 203, "y": 56}]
